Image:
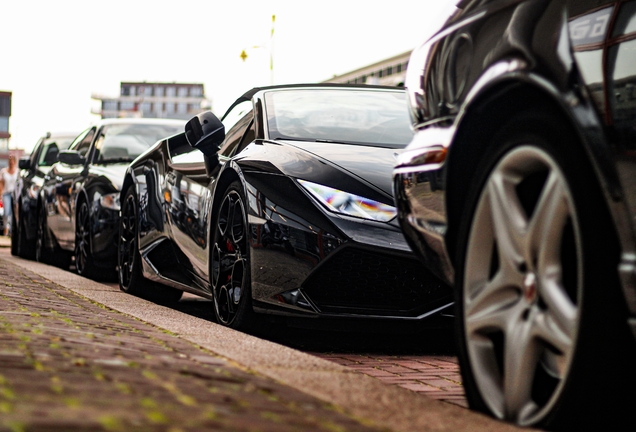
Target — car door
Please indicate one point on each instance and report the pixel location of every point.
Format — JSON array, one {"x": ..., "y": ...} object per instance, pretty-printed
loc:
[
  {"x": 190, "y": 185},
  {"x": 187, "y": 180},
  {"x": 60, "y": 192}
]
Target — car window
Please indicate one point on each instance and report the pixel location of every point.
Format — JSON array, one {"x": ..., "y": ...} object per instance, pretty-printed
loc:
[
  {"x": 124, "y": 142},
  {"x": 352, "y": 116},
  {"x": 235, "y": 114},
  {"x": 51, "y": 147},
  {"x": 234, "y": 136},
  {"x": 37, "y": 151},
  {"x": 78, "y": 140},
  {"x": 84, "y": 144},
  {"x": 626, "y": 20},
  {"x": 249, "y": 137}
]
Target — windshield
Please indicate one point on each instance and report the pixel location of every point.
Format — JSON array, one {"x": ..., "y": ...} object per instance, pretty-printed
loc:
[
  {"x": 124, "y": 142},
  {"x": 352, "y": 116}
]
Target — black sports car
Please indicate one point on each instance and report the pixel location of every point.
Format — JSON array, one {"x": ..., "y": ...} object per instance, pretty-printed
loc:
[
  {"x": 78, "y": 204},
  {"x": 25, "y": 196},
  {"x": 517, "y": 187},
  {"x": 286, "y": 209}
]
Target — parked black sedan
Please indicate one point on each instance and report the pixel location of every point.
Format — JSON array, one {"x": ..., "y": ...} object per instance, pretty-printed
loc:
[
  {"x": 78, "y": 204},
  {"x": 286, "y": 209},
  {"x": 518, "y": 187},
  {"x": 25, "y": 196}
]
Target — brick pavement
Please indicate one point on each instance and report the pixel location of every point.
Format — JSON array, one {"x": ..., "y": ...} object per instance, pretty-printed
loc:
[
  {"x": 67, "y": 363},
  {"x": 435, "y": 376},
  {"x": 345, "y": 390}
]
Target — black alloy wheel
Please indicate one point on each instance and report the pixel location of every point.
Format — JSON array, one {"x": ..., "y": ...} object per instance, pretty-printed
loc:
[
  {"x": 15, "y": 247},
  {"x": 229, "y": 267},
  {"x": 40, "y": 242},
  {"x": 55, "y": 256},
  {"x": 84, "y": 262},
  {"x": 131, "y": 279},
  {"x": 537, "y": 286},
  {"x": 25, "y": 248}
]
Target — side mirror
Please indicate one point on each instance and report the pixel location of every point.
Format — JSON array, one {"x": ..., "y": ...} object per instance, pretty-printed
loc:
[
  {"x": 205, "y": 132},
  {"x": 24, "y": 162},
  {"x": 71, "y": 157}
]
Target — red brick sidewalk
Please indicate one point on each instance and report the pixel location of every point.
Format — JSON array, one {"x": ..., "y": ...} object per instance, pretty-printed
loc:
[
  {"x": 69, "y": 364},
  {"x": 435, "y": 376}
]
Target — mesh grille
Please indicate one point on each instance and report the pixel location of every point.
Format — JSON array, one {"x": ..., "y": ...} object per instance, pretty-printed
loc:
[{"x": 367, "y": 281}]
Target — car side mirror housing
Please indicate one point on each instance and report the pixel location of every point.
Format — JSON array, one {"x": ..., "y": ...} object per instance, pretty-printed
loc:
[
  {"x": 205, "y": 132},
  {"x": 71, "y": 157},
  {"x": 24, "y": 163}
]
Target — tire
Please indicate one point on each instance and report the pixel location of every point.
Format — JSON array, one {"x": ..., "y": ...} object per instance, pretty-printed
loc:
[
  {"x": 229, "y": 262},
  {"x": 539, "y": 309},
  {"x": 15, "y": 250},
  {"x": 55, "y": 256},
  {"x": 26, "y": 248},
  {"x": 84, "y": 262},
  {"x": 129, "y": 273}
]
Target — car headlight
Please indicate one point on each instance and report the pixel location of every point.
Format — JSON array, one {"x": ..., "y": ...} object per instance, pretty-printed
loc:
[
  {"x": 349, "y": 204},
  {"x": 110, "y": 201}
]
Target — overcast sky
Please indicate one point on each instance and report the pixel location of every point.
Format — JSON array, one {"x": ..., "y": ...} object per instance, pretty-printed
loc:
[{"x": 55, "y": 54}]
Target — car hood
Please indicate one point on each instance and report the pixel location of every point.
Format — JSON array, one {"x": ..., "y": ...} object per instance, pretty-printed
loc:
[
  {"x": 373, "y": 164},
  {"x": 113, "y": 172}
]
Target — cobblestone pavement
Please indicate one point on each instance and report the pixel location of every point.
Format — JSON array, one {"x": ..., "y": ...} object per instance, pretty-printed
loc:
[{"x": 67, "y": 363}]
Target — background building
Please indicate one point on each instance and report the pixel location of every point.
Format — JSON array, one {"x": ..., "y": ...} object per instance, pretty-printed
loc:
[
  {"x": 154, "y": 100},
  {"x": 5, "y": 113},
  {"x": 390, "y": 72}
]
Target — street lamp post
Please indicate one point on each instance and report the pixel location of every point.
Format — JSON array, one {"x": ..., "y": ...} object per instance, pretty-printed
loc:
[{"x": 270, "y": 46}]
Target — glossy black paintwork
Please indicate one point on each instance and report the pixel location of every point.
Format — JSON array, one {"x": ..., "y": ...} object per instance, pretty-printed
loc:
[
  {"x": 493, "y": 58},
  {"x": 31, "y": 179},
  {"x": 292, "y": 237},
  {"x": 66, "y": 185}
]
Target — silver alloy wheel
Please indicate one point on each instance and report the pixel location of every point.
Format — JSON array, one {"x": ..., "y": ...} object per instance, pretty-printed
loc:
[{"x": 522, "y": 287}]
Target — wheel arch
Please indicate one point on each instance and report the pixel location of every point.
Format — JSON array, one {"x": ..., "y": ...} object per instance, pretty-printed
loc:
[
  {"x": 227, "y": 176},
  {"x": 128, "y": 181},
  {"x": 482, "y": 116}
]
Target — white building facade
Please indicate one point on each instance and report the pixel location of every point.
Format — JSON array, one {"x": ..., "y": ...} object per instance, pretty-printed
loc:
[
  {"x": 154, "y": 100},
  {"x": 389, "y": 72}
]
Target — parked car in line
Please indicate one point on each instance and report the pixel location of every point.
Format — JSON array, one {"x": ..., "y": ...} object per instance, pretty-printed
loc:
[
  {"x": 518, "y": 188},
  {"x": 285, "y": 207},
  {"x": 78, "y": 204},
  {"x": 34, "y": 168}
]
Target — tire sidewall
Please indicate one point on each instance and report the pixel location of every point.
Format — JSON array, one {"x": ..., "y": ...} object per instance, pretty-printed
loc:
[
  {"x": 595, "y": 226},
  {"x": 243, "y": 316},
  {"x": 131, "y": 278},
  {"x": 87, "y": 270}
]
